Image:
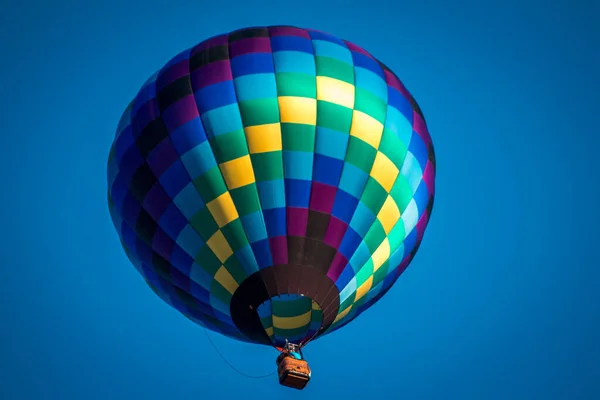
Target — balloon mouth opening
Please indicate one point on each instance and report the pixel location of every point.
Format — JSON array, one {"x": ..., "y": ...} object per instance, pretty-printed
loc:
[
  {"x": 290, "y": 316},
  {"x": 285, "y": 301}
]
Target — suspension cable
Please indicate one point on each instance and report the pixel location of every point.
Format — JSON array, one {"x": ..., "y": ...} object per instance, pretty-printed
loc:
[{"x": 230, "y": 365}]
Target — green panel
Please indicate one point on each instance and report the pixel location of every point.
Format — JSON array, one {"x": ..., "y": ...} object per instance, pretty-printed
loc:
[
  {"x": 381, "y": 273},
  {"x": 364, "y": 273},
  {"x": 217, "y": 290},
  {"x": 327, "y": 66},
  {"x": 360, "y": 154},
  {"x": 204, "y": 223},
  {"x": 334, "y": 116},
  {"x": 298, "y": 137},
  {"x": 346, "y": 303},
  {"x": 393, "y": 148},
  {"x": 235, "y": 268},
  {"x": 296, "y": 84},
  {"x": 370, "y": 104},
  {"x": 235, "y": 235},
  {"x": 375, "y": 236},
  {"x": 208, "y": 261},
  {"x": 291, "y": 308},
  {"x": 374, "y": 195},
  {"x": 259, "y": 111},
  {"x": 402, "y": 193},
  {"x": 210, "y": 185},
  {"x": 246, "y": 199},
  {"x": 229, "y": 146},
  {"x": 396, "y": 236},
  {"x": 268, "y": 166}
]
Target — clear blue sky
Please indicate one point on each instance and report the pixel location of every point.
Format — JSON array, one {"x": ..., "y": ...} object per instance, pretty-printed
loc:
[{"x": 502, "y": 300}]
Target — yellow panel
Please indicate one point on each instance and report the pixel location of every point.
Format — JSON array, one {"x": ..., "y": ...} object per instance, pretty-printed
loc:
[
  {"x": 292, "y": 322},
  {"x": 389, "y": 214},
  {"x": 263, "y": 138},
  {"x": 366, "y": 128},
  {"x": 335, "y": 91},
  {"x": 381, "y": 255},
  {"x": 315, "y": 306},
  {"x": 238, "y": 172},
  {"x": 269, "y": 331},
  {"x": 343, "y": 314},
  {"x": 218, "y": 244},
  {"x": 298, "y": 110},
  {"x": 226, "y": 280},
  {"x": 363, "y": 289},
  {"x": 222, "y": 209},
  {"x": 384, "y": 171}
]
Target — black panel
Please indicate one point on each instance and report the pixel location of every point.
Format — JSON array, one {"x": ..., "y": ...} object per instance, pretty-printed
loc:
[
  {"x": 176, "y": 90},
  {"x": 317, "y": 224},
  {"x": 207, "y": 56},
  {"x": 248, "y": 33},
  {"x": 152, "y": 134},
  {"x": 142, "y": 181}
]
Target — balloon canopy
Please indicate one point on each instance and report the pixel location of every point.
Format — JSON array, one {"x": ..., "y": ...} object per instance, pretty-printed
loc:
[{"x": 272, "y": 183}]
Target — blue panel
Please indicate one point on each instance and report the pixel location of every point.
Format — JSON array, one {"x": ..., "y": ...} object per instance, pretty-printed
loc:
[
  {"x": 329, "y": 49},
  {"x": 257, "y": 86},
  {"x": 180, "y": 259},
  {"x": 327, "y": 170},
  {"x": 271, "y": 194},
  {"x": 363, "y": 61},
  {"x": 174, "y": 179},
  {"x": 400, "y": 103},
  {"x": 295, "y": 61},
  {"x": 314, "y": 35},
  {"x": 418, "y": 149},
  {"x": 353, "y": 180},
  {"x": 172, "y": 221},
  {"x": 262, "y": 251},
  {"x": 188, "y": 136},
  {"x": 298, "y": 164},
  {"x": 349, "y": 243},
  {"x": 222, "y": 120},
  {"x": 370, "y": 81},
  {"x": 331, "y": 143},
  {"x": 252, "y": 63},
  {"x": 421, "y": 197},
  {"x": 215, "y": 96},
  {"x": 344, "y": 206},
  {"x": 297, "y": 193},
  {"x": 291, "y": 43},
  {"x": 254, "y": 226},
  {"x": 362, "y": 220},
  {"x": 275, "y": 219}
]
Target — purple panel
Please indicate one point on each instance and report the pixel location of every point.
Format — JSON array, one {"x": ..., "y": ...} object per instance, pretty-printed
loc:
[
  {"x": 337, "y": 266},
  {"x": 219, "y": 40},
  {"x": 249, "y": 45},
  {"x": 288, "y": 31},
  {"x": 297, "y": 219},
  {"x": 156, "y": 202},
  {"x": 182, "y": 111},
  {"x": 322, "y": 197},
  {"x": 174, "y": 72},
  {"x": 162, "y": 157},
  {"x": 335, "y": 232},
  {"x": 163, "y": 244},
  {"x": 279, "y": 249},
  {"x": 210, "y": 74}
]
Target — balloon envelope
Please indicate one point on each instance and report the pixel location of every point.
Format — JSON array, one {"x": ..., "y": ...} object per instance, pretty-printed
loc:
[{"x": 272, "y": 183}]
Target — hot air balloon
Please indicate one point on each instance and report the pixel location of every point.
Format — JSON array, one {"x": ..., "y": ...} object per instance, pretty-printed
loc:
[{"x": 271, "y": 184}]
